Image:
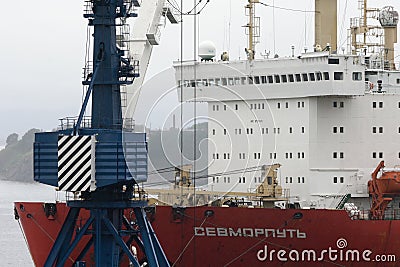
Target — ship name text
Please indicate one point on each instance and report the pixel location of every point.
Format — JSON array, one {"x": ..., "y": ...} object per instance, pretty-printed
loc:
[{"x": 249, "y": 232}]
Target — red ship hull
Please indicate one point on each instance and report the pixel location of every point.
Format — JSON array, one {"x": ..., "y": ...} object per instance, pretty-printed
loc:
[{"x": 216, "y": 236}]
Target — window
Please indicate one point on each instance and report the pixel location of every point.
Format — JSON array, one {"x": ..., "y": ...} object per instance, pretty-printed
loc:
[
  {"x": 341, "y": 129},
  {"x": 278, "y": 105},
  {"x": 277, "y": 79},
  {"x": 341, "y": 179},
  {"x": 380, "y": 130},
  {"x": 291, "y": 179},
  {"x": 380, "y": 104},
  {"x": 224, "y": 131},
  {"x": 381, "y": 155},
  {"x": 312, "y": 76},
  {"x": 326, "y": 76},
  {"x": 291, "y": 78},
  {"x": 236, "y": 107},
  {"x": 333, "y": 61},
  {"x": 305, "y": 77},
  {"x": 250, "y": 80},
  {"x": 290, "y": 130},
  {"x": 303, "y": 129},
  {"x": 341, "y": 104},
  {"x": 298, "y": 104},
  {"x": 298, "y": 77},
  {"x": 374, "y": 104},
  {"x": 334, "y": 129},
  {"x": 230, "y": 81},
  {"x": 334, "y": 104},
  {"x": 303, "y": 180},
  {"x": 284, "y": 78},
  {"x": 263, "y": 79},
  {"x": 335, "y": 180},
  {"x": 224, "y": 82},
  {"x": 257, "y": 79},
  {"x": 287, "y": 104},
  {"x": 334, "y": 155},
  {"x": 224, "y": 107},
  {"x": 298, "y": 179},
  {"x": 398, "y": 81},
  {"x": 357, "y": 76},
  {"x": 270, "y": 79},
  {"x": 338, "y": 76},
  {"x": 243, "y": 80},
  {"x": 374, "y": 155},
  {"x": 319, "y": 76},
  {"x": 213, "y": 131},
  {"x": 341, "y": 155}
]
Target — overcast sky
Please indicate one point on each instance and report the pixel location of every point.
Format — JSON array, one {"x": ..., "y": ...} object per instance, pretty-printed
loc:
[{"x": 42, "y": 50}]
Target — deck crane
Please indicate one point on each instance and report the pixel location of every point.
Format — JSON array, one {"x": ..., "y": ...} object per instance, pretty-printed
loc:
[
  {"x": 382, "y": 189},
  {"x": 100, "y": 160}
]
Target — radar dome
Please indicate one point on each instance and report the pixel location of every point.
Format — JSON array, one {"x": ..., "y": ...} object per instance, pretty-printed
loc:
[
  {"x": 388, "y": 17},
  {"x": 207, "y": 50}
]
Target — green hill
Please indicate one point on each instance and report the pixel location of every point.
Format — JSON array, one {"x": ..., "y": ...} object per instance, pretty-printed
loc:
[{"x": 16, "y": 159}]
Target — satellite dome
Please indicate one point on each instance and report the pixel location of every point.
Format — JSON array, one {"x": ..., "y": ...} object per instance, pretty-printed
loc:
[
  {"x": 388, "y": 17},
  {"x": 207, "y": 50}
]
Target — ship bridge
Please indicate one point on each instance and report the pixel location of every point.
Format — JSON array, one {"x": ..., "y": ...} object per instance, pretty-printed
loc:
[{"x": 309, "y": 75}]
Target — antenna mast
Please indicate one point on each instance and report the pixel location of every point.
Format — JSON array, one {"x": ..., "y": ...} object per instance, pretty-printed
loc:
[{"x": 253, "y": 29}]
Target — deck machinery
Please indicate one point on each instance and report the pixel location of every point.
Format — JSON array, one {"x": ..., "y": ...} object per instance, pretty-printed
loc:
[{"x": 98, "y": 160}]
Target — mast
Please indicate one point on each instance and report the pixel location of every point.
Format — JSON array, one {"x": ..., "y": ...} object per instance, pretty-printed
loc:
[{"x": 253, "y": 28}]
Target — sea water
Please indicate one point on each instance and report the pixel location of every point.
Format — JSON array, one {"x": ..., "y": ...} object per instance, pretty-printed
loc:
[{"x": 13, "y": 249}]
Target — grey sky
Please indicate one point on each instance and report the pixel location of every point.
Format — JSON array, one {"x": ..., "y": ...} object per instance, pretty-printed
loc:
[{"x": 42, "y": 50}]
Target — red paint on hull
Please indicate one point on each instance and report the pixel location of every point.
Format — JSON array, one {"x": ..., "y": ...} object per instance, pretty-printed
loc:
[{"x": 299, "y": 237}]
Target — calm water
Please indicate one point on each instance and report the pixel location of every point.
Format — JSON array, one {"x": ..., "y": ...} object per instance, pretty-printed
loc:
[{"x": 13, "y": 250}]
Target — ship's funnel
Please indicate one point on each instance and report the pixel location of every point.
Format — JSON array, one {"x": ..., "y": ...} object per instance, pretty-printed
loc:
[
  {"x": 326, "y": 23},
  {"x": 389, "y": 19}
]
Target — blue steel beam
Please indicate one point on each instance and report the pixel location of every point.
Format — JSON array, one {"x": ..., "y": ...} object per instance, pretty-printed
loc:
[
  {"x": 78, "y": 237},
  {"x": 120, "y": 241},
  {"x": 69, "y": 224}
]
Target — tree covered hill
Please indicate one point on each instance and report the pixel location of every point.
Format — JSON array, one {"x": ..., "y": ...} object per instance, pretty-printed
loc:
[{"x": 16, "y": 159}]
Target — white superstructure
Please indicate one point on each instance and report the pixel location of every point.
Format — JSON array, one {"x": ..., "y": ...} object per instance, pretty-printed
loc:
[{"x": 328, "y": 119}]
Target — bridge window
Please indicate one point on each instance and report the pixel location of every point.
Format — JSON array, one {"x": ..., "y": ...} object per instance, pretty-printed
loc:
[
  {"x": 263, "y": 79},
  {"x": 277, "y": 79},
  {"x": 291, "y": 78},
  {"x": 326, "y": 76},
  {"x": 357, "y": 76},
  {"x": 312, "y": 76},
  {"x": 270, "y": 80},
  {"x": 256, "y": 79},
  {"x": 298, "y": 77},
  {"x": 305, "y": 77},
  {"x": 338, "y": 75},
  {"x": 284, "y": 78},
  {"x": 319, "y": 76}
]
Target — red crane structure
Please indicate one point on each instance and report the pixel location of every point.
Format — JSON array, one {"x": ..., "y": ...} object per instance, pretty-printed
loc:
[{"x": 382, "y": 190}]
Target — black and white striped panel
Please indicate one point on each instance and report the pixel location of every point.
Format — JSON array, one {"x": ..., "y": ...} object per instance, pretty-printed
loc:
[{"x": 74, "y": 163}]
